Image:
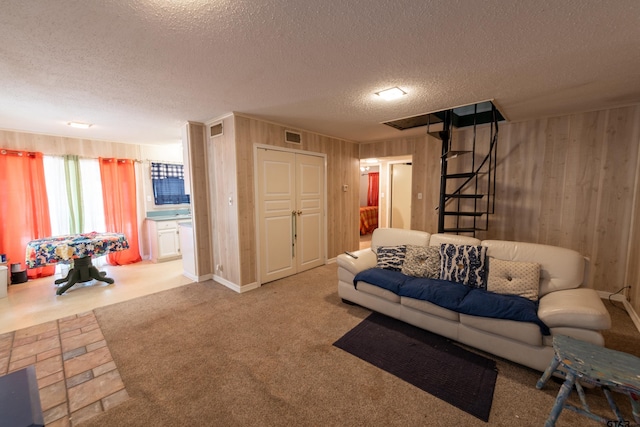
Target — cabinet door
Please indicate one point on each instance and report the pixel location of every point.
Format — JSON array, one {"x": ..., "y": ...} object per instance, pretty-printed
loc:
[{"x": 168, "y": 245}]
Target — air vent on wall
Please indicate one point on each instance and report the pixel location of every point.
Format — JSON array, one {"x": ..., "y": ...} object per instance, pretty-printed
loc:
[
  {"x": 215, "y": 130},
  {"x": 292, "y": 137}
]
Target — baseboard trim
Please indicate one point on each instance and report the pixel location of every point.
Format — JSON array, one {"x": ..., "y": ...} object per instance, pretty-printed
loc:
[
  {"x": 621, "y": 298},
  {"x": 195, "y": 278},
  {"x": 234, "y": 287}
]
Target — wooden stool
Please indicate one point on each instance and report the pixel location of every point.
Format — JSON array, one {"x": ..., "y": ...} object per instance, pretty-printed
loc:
[{"x": 597, "y": 366}]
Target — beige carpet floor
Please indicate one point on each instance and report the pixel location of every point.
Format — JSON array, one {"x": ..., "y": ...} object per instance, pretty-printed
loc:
[{"x": 202, "y": 354}]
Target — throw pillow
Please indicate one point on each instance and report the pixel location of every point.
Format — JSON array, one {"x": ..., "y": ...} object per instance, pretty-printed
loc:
[
  {"x": 391, "y": 257},
  {"x": 514, "y": 278},
  {"x": 422, "y": 261},
  {"x": 463, "y": 264}
]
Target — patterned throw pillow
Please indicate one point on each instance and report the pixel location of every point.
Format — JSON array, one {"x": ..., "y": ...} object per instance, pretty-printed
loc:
[
  {"x": 391, "y": 257},
  {"x": 514, "y": 278},
  {"x": 422, "y": 261},
  {"x": 463, "y": 264}
]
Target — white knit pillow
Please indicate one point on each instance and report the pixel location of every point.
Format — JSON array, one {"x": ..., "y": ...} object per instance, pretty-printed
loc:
[{"x": 514, "y": 278}]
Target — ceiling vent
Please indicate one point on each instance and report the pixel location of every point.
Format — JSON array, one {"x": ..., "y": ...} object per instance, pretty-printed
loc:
[
  {"x": 215, "y": 130},
  {"x": 292, "y": 137}
]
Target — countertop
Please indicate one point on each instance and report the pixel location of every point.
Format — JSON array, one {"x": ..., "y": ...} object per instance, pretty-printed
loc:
[{"x": 176, "y": 217}]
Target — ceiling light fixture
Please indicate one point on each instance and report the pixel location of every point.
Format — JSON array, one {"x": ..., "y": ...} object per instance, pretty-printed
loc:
[
  {"x": 80, "y": 125},
  {"x": 389, "y": 94}
]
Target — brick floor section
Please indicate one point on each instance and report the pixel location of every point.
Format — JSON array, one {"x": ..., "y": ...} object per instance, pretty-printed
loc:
[{"x": 77, "y": 376}]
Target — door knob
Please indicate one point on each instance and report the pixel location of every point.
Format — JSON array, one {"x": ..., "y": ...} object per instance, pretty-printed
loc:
[{"x": 299, "y": 212}]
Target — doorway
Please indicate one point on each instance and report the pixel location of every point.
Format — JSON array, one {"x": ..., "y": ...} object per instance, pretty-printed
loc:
[
  {"x": 389, "y": 199},
  {"x": 291, "y": 197},
  {"x": 400, "y": 195}
]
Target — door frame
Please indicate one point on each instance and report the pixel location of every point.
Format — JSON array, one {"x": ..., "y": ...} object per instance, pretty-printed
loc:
[{"x": 257, "y": 146}]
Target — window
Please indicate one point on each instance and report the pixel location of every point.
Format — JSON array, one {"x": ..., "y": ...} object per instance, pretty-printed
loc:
[{"x": 168, "y": 184}]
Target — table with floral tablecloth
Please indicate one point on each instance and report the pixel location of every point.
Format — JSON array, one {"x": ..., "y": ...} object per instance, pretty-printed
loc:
[{"x": 76, "y": 248}]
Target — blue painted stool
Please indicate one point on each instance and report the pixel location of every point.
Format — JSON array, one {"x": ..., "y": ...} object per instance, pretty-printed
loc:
[{"x": 597, "y": 366}]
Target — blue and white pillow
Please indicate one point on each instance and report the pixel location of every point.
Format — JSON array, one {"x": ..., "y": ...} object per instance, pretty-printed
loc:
[
  {"x": 391, "y": 257},
  {"x": 463, "y": 264}
]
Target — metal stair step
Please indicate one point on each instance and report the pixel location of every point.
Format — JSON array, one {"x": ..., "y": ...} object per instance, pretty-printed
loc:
[
  {"x": 460, "y": 175},
  {"x": 458, "y": 213},
  {"x": 461, "y": 230},
  {"x": 453, "y": 154},
  {"x": 464, "y": 196}
]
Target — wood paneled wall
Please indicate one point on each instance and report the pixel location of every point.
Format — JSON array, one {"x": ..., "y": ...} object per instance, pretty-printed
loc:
[
  {"x": 342, "y": 168},
  {"x": 224, "y": 215},
  {"x": 200, "y": 205},
  {"x": 570, "y": 181},
  {"x": 59, "y": 146}
]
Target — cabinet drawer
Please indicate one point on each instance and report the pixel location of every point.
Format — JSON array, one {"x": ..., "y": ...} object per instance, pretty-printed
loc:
[{"x": 164, "y": 225}]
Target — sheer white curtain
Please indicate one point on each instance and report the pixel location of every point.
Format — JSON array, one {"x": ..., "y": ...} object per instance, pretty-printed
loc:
[
  {"x": 92, "y": 201},
  {"x": 92, "y": 205},
  {"x": 56, "y": 194},
  {"x": 92, "y": 196}
]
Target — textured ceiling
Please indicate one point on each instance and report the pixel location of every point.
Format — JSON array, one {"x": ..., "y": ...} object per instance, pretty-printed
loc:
[{"x": 138, "y": 70}]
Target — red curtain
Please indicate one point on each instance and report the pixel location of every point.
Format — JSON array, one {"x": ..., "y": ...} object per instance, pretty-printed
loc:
[
  {"x": 24, "y": 209},
  {"x": 120, "y": 211},
  {"x": 372, "y": 195}
]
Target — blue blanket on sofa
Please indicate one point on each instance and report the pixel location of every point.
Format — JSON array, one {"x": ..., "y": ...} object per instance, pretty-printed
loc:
[{"x": 455, "y": 296}]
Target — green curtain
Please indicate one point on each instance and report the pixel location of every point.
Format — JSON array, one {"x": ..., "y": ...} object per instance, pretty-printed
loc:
[{"x": 74, "y": 193}]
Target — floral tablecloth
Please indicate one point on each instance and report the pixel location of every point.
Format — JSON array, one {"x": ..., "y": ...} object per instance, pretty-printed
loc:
[{"x": 64, "y": 248}]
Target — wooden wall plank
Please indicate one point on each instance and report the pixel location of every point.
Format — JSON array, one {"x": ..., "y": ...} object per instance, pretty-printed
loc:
[{"x": 200, "y": 198}]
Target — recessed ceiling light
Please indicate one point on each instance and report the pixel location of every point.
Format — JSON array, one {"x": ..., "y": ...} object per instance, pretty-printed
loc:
[
  {"x": 371, "y": 161},
  {"x": 389, "y": 94},
  {"x": 80, "y": 125}
]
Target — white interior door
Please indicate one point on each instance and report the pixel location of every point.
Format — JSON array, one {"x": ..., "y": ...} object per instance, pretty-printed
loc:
[
  {"x": 276, "y": 204},
  {"x": 401, "y": 196},
  {"x": 310, "y": 207},
  {"x": 290, "y": 213}
]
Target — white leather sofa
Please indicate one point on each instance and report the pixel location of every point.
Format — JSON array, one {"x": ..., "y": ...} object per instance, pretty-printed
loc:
[{"x": 565, "y": 306}]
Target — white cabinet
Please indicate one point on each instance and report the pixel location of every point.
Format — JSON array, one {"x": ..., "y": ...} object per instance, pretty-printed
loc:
[{"x": 164, "y": 240}]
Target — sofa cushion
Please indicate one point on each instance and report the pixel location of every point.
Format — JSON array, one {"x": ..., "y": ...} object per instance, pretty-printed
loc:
[
  {"x": 430, "y": 308},
  {"x": 398, "y": 236},
  {"x": 391, "y": 257},
  {"x": 422, "y": 261},
  {"x": 390, "y": 280},
  {"x": 560, "y": 268},
  {"x": 479, "y": 302},
  {"x": 441, "y": 292},
  {"x": 378, "y": 291},
  {"x": 463, "y": 264},
  {"x": 526, "y": 332},
  {"x": 514, "y": 278}
]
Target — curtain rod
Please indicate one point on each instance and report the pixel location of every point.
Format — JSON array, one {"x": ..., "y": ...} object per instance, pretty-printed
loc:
[
  {"x": 17, "y": 152},
  {"x": 164, "y": 161},
  {"x": 92, "y": 158}
]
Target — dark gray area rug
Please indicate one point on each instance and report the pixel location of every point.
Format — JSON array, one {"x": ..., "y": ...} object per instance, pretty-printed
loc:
[{"x": 428, "y": 361}]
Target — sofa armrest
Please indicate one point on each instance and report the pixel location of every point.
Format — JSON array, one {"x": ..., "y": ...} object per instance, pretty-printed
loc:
[
  {"x": 575, "y": 308},
  {"x": 366, "y": 259}
]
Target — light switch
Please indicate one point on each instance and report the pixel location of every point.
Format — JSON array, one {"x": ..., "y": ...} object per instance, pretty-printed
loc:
[
  {"x": 419, "y": 196},
  {"x": 345, "y": 187}
]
